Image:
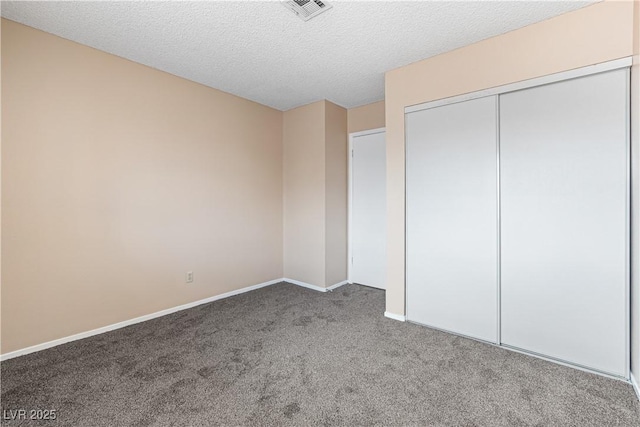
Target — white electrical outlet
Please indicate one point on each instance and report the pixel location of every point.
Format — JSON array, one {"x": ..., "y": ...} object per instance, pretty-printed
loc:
[{"x": 189, "y": 276}]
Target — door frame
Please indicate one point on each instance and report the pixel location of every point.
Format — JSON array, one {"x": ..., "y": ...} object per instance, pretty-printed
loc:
[{"x": 350, "y": 193}]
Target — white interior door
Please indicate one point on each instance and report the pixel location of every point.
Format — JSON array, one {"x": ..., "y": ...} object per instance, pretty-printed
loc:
[
  {"x": 563, "y": 157},
  {"x": 368, "y": 227},
  {"x": 451, "y": 218}
]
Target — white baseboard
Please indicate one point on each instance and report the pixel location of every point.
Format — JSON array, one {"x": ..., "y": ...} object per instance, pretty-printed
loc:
[
  {"x": 635, "y": 385},
  {"x": 337, "y": 285},
  {"x": 87, "y": 334},
  {"x": 119, "y": 325},
  {"x": 315, "y": 287},
  {"x": 399, "y": 317},
  {"x": 305, "y": 285}
]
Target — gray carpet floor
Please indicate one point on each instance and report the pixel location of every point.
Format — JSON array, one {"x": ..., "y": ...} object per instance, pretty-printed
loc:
[{"x": 286, "y": 355}]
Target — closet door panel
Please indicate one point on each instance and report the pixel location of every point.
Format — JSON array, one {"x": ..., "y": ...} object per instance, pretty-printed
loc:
[
  {"x": 563, "y": 158},
  {"x": 451, "y": 218}
]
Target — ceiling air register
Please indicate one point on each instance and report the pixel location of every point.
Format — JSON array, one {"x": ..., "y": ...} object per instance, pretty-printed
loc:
[{"x": 306, "y": 9}]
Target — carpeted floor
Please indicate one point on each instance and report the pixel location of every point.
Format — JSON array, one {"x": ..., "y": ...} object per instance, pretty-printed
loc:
[{"x": 286, "y": 355}]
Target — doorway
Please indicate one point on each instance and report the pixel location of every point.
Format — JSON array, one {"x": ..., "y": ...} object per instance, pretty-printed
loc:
[{"x": 368, "y": 208}]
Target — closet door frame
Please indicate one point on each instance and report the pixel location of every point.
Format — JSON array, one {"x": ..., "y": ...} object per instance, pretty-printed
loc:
[
  {"x": 603, "y": 67},
  {"x": 526, "y": 84}
]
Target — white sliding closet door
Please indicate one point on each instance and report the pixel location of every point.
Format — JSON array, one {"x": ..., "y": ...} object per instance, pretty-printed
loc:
[
  {"x": 451, "y": 216},
  {"x": 563, "y": 158}
]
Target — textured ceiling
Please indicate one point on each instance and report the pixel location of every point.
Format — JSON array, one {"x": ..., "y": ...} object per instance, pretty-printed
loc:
[{"x": 263, "y": 52}]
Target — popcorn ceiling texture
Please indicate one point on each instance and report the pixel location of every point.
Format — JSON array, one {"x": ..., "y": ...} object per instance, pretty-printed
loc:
[{"x": 261, "y": 51}]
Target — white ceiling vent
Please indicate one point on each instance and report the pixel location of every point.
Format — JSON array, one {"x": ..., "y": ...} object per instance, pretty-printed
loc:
[{"x": 306, "y": 9}]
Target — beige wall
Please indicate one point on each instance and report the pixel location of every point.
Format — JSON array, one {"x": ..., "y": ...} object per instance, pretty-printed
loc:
[
  {"x": 116, "y": 180},
  {"x": 366, "y": 117},
  {"x": 594, "y": 34},
  {"x": 304, "y": 193},
  {"x": 315, "y": 194},
  {"x": 336, "y": 172},
  {"x": 635, "y": 196}
]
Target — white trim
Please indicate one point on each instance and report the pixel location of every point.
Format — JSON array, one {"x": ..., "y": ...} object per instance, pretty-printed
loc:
[
  {"x": 337, "y": 285},
  {"x": 398, "y": 317},
  {"x": 560, "y": 362},
  {"x": 349, "y": 205},
  {"x": 525, "y": 352},
  {"x": 350, "y": 193},
  {"x": 129, "y": 322},
  {"x": 315, "y": 287},
  {"x": 367, "y": 132},
  {"x": 635, "y": 385},
  {"x": 627, "y": 212},
  {"x": 525, "y": 84},
  {"x": 305, "y": 285},
  {"x": 498, "y": 231},
  {"x": 102, "y": 330}
]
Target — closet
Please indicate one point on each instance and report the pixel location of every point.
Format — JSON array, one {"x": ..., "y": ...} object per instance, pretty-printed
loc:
[
  {"x": 517, "y": 217},
  {"x": 451, "y": 217}
]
